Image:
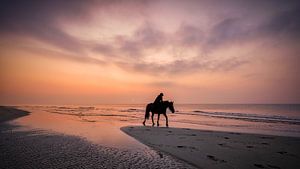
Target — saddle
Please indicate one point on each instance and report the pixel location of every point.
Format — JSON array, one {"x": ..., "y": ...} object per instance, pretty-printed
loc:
[{"x": 156, "y": 106}]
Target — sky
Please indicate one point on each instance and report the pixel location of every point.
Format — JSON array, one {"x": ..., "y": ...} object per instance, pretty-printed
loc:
[{"x": 119, "y": 52}]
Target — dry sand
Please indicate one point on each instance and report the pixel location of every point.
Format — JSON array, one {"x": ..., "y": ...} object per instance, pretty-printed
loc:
[
  {"x": 211, "y": 149},
  {"x": 44, "y": 149}
]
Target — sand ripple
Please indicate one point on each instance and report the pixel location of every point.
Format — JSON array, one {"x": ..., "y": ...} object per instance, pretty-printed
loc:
[{"x": 40, "y": 149}]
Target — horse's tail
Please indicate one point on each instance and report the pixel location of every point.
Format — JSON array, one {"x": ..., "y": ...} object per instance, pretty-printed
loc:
[{"x": 147, "y": 113}]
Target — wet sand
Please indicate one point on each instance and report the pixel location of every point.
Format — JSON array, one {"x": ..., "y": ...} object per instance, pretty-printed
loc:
[
  {"x": 38, "y": 148},
  {"x": 221, "y": 150}
]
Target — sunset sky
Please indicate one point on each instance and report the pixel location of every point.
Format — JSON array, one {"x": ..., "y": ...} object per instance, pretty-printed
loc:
[{"x": 96, "y": 52}]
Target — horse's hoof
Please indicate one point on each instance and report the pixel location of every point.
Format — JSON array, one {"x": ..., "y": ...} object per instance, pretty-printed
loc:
[
  {"x": 144, "y": 124},
  {"x": 157, "y": 125},
  {"x": 153, "y": 124}
]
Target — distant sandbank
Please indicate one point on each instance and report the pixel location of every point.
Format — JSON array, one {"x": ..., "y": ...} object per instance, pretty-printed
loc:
[
  {"x": 212, "y": 149},
  {"x": 9, "y": 113}
]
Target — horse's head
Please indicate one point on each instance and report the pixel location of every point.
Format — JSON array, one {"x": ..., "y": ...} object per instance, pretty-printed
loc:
[{"x": 171, "y": 106}]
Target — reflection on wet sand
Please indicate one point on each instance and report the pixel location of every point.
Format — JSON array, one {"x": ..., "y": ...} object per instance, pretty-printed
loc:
[
  {"x": 104, "y": 130},
  {"x": 55, "y": 147}
]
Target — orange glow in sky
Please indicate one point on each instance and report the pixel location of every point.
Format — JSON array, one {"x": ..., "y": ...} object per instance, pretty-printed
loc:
[{"x": 96, "y": 52}]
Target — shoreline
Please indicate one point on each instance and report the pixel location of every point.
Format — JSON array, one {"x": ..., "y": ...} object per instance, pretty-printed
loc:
[
  {"x": 165, "y": 148},
  {"x": 215, "y": 149},
  {"x": 39, "y": 148}
]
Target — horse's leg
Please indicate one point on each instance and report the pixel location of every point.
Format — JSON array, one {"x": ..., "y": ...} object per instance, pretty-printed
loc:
[
  {"x": 152, "y": 119},
  {"x": 167, "y": 123},
  {"x": 158, "y": 119},
  {"x": 144, "y": 122}
]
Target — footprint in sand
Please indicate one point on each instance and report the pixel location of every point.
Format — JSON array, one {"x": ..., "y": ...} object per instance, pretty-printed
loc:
[
  {"x": 264, "y": 137},
  {"x": 286, "y": 153},
  {"x": 226, "y": 138},
  {"x": 282, "y": 152},
  {"x": 211, "y": 157},
  {"x": 249, "y": 146},
  {"x": 259, "y": 166},
  {"x": 181, "y": 146},
  {"x": 264, "y": 143},
  {"x": 224, "y": 145},
  {"x": 191, "y": 148}
]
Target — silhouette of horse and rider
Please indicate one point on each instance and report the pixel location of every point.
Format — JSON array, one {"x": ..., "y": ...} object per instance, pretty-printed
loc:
[{"x": 158, "y": 107}]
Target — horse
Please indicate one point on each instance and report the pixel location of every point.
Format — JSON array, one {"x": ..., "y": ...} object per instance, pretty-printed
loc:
[{"x": 161, "y": 108}]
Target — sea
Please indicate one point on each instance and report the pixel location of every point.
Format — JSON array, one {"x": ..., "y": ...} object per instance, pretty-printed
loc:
[{"x": 270, "y": 119}]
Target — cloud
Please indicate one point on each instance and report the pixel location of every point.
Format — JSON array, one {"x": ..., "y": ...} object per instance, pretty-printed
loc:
[
  {"x": 285, "y": 22},
  {"x": 144, "y": 38},
  {"x": 226, "y": 31},
  {"x": 188, "y": 35},
  {"x": 39, "y": 20},
  {"x": 128, "y": 52},
  {"x": 231, "y": 30},
  {"x": 184, "y": 66},
  {"x": 162, "y": 84},
  {"x": 134, "y": 47},
  {"x": 105, "y": 49},
  {"x": 61, "y": 55}
]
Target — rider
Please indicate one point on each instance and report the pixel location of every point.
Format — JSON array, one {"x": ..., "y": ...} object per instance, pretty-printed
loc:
[{"x": 159, "y": 99}]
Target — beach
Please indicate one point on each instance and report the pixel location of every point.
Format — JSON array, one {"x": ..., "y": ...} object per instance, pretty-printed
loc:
[
  {"x": 213, "y": 150},
  {"x": 39, "y": 148},
  {"x": 112, "y": 136}
]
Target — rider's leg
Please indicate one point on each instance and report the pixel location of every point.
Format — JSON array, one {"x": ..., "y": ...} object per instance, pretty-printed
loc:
[{"x": 152, "y": 119}]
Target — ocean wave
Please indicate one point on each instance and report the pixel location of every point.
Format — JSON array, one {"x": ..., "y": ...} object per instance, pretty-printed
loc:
[
  {"x": 93, "y": 114},
  {"x": 248, "y": 117},
  {"x": 132, "y": 110}
]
